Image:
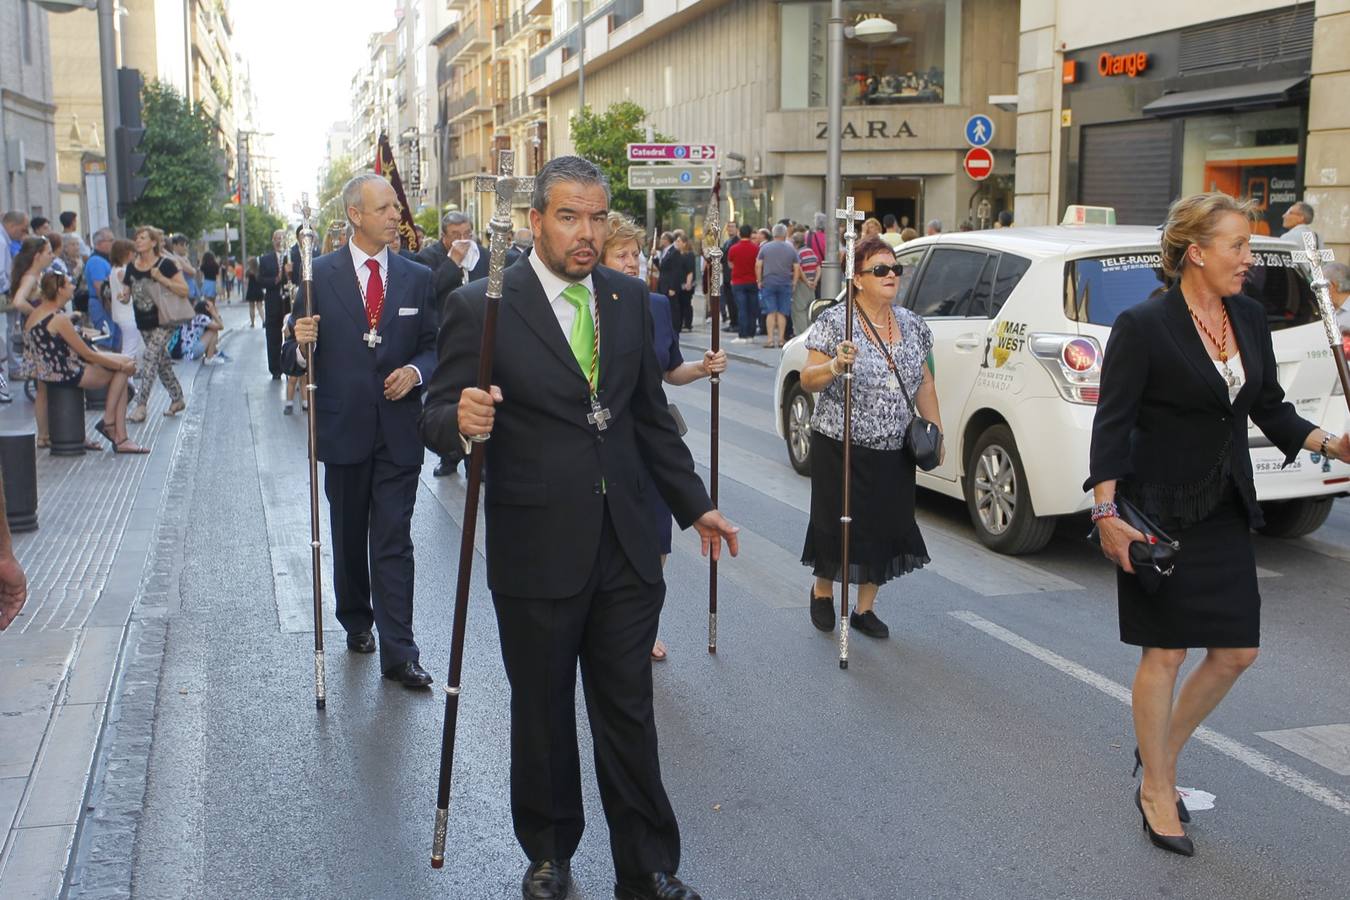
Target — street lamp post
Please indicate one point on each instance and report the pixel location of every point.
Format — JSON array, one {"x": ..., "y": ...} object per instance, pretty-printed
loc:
[
  {"x": 581, "y": 56},
  {"x": 834, "y": 98}
]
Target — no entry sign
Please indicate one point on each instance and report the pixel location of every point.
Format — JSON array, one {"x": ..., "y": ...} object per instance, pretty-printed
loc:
[{"x": 979, "y": 163}]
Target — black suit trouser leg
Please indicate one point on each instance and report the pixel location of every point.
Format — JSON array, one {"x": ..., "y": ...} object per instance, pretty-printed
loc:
[
  {"x": 610, "y": 626},
  {"x": 273, "y": 332},
  {"x": 372, "y": 505}
]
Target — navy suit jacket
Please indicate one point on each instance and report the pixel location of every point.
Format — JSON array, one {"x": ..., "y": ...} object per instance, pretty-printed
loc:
[
  {"x": 551, "y": 474},
  {"x": 350, "y": 376}
]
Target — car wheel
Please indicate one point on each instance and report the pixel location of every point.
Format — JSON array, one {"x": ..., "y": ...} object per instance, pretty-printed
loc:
[
  {"x": 996, "y": 496},
  {"x": 1295, "y": 518},
  {"x": 797, "y": 409}
]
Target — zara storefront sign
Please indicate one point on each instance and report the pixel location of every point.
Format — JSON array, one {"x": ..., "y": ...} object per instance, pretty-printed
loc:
[{"x": 871, "y": 128}]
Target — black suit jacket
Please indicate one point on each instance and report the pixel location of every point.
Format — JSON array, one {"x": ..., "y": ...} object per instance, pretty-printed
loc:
[
  {"x": 272, "y": 276},
  {"x": 1164, "y": 426},
  {"x": 674, "y": 270},
  {"x": 350, "y": 376},
  {"x": 450, "y": 275},
  {"x": 546, "y": 464}
]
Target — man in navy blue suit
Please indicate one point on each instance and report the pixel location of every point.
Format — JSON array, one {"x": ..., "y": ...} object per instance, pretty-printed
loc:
[{"x": 377, "y": 350}]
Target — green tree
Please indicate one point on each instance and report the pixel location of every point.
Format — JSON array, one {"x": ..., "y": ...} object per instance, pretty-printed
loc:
[
  {"x": 430, "y": 220},
  {"x": 329, "y": 202},
  {"x": 258, "y": 227},
  {"x": 603, "y": 138},
  {"x": 182, "y": 167}
]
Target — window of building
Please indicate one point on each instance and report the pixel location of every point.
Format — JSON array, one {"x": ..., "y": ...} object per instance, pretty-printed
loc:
[
  {"x": 920, "y": 63},
  {"x": 26, "y": 30},
  {"x": 1248, "y": 155}
]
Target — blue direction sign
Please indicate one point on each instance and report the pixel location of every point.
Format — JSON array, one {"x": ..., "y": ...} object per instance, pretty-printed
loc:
[{"x": 979, "y": 130}]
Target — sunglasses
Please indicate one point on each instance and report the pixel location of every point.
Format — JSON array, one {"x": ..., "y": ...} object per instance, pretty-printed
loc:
[{"x": 882, "y": 271}]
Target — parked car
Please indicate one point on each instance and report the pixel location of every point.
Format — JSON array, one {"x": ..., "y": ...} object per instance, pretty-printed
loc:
[{"x": 1020, "y": 318}]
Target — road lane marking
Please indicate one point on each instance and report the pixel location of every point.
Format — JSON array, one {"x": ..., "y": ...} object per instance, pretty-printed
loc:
[
  {"x": 1248, "y": 756},
  {"x": 1326, "y": 745},
  {"x": 953, "y": 554}
]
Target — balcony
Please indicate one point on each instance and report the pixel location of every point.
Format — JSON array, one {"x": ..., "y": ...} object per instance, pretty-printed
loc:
[
  {"x": 466, "y": 105},
  {"x": 471, "y": 39},
  {"x": 522, "y": 105},
  {"x": 538, "y": 7},
  {"x": 523, "y": 24},
  {"x": 465, "y": 165}
]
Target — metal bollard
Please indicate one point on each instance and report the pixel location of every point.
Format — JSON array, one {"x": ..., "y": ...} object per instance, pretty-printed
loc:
[
  {"x": 65, "y": 419},
  {"x": 18, "y": 463}
]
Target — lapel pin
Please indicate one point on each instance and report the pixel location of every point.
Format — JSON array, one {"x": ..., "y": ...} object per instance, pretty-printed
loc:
[{"x": 614, "y": 296}]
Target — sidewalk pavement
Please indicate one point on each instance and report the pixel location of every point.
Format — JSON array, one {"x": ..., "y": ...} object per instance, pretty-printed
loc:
[
  {"x": 96, "y": 518},
  {"x": 700, "y": 339}
]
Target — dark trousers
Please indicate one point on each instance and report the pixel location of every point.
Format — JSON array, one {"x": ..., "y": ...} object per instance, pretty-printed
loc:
[
  {"x": 729, "y": 311},
  {"x": 686, "y": 299},
  {"x": 610, "y": 627},
  {"x": 372, "y": 507},
  {"x": 747, "y": 308},
  {"x": 273, "y": 332}
]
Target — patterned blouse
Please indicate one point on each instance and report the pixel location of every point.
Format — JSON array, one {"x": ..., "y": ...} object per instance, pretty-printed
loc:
[{"x": 880, "y": 414}]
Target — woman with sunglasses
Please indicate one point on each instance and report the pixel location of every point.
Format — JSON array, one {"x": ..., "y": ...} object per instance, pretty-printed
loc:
[
  {"x": 65, "y": 359},
  {"x": 884, "y": 538}
]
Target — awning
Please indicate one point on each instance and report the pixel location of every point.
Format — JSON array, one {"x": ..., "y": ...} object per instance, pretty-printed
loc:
[{"x": 1238, "y": 96}]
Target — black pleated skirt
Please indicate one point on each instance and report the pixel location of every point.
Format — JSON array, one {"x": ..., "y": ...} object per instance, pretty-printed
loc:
[
  {"x": 1211, "y": 599},
  {"x": 884, "y": 539}
]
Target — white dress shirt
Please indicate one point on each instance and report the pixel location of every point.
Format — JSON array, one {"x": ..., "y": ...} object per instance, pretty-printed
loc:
[{"x": 554, "y": 286}]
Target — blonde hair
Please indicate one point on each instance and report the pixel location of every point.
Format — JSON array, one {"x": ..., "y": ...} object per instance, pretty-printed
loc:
[
  {"x": 156, "y": 237},
  {"x": 871, "y": 226},
  {"x": 621, "y": 230},
  {"x": 1194, "y": 220}
]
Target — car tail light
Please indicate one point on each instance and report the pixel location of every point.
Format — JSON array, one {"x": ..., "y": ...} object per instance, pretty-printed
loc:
[{"x": 1074, "y": 364}]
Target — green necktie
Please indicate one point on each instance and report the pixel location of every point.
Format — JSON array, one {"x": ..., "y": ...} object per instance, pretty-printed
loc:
[{"x": 582, "y": 338}]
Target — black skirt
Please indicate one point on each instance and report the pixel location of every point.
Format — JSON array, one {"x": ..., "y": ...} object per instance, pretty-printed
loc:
[
  {"x": 1211, "y": 599},
  {"x": 884, "y": 539}
]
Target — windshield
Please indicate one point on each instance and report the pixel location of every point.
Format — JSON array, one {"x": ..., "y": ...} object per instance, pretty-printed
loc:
[{"x": 1099, "y": 288}]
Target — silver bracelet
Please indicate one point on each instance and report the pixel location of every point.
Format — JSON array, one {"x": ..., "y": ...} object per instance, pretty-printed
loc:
[{"x": 1327, "y": 438}]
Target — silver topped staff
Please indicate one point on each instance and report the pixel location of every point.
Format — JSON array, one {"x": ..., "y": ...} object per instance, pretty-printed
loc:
[
  {"x": 712, "y": 249},
  {"x": 506, "y": 187},
  {"x": 316, "y": 550},
  {"x": 849, "y": 215},
  {"x": 1313, "y": 258}
]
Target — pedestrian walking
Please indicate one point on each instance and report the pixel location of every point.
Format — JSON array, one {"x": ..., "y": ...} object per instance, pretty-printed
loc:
[
  {"x": 741, "y": 259},
  {"x": 621, "y": 251},
  {"x": 63, "y": 358},
  {"x": 804, "y": 288},
  {"x": 1297, "y": 221},
  {"x": 119, "y": 298},
  {"x": 671, "y": 277},
  {"x": 370, "y": 363},
  {"x": 573, "y": 563},
  {"x": 155, "y": 282},
  {"x": 210, "y": 270},
  {"x": 1184, "y": 371},
  {"x": 271, "y": 275},
  {"x": 253, "y": 292},
  {"x": 885, "y": 540},
  {"x": 688, "y": 265},
  {"x": 777, "y": 271}
]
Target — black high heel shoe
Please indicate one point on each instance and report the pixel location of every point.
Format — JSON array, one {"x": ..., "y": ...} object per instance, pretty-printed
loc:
[
  {"x": 1182, "y": 812},
  {"x": 1180, "y": 845}
]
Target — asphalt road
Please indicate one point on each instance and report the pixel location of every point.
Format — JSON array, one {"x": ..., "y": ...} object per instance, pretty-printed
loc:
[{"x": 982, "y": 752}]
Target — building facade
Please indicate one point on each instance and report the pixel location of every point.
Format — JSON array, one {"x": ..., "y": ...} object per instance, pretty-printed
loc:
[
  {"x": 77, "y": 91},
  {"x": 27, "y": 112},
  {"x": 751, "y": 78},
  {"x": 1243, "y": 97}
]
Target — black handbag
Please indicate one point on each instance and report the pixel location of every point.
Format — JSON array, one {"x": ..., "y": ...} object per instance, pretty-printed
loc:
[
  {"x": 923, "y": 439},
  {"x": 1153, "y": 558}
]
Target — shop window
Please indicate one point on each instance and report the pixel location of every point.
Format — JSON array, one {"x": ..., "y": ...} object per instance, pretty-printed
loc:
[
  {"x": 919, "y": 63},
  {"x": 1250, "y": 155}
]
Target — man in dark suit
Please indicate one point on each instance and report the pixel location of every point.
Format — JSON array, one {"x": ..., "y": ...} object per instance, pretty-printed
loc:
[
  {"x": 447, "y": 257},
  {"x": 376, "y": 351},
  {"x": 578, "y": 439},
  {"x": 272, "y": 275}
]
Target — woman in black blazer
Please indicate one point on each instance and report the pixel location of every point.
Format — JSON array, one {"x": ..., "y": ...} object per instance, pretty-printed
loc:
[{"x": 1183, "y": 372}]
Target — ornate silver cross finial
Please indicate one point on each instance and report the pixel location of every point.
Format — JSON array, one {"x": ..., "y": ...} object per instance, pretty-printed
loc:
[
  {"x": 1312, "y": 257},
  {"x": 508, "y": 187},
  {"x": 849, "y": 215},
  {"x": 302, "y": 208}
]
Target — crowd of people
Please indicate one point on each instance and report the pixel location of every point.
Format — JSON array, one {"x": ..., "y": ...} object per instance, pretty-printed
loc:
[{"x": 110, "y": 314}]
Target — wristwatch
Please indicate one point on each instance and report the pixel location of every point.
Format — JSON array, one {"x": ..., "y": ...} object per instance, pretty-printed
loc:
[{"x": 1327, "y": 438}]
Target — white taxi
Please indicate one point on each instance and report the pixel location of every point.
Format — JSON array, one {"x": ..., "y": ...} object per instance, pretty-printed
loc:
[{"x": 1020, "y": 317}]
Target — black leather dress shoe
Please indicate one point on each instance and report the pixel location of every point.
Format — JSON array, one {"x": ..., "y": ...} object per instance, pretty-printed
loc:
[
  {"x": 654, "y": 886},
  {"x": 409, "y": 674},
  {"x": 548, "y": 879},
  {"x": 361, "y": 642}
]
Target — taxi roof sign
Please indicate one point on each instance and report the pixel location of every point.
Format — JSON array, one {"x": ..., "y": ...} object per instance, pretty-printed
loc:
[{"x": 1078, "y": 214}]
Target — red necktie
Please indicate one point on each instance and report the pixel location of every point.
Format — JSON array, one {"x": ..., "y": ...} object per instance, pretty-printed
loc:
[{"x": 374, "y": 293}]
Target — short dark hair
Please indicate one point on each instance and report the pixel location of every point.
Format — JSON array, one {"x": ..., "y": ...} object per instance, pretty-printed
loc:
[
  {"x": 888, "y": 221},
  {"x": 746, "y": 231},
  {"x": 67, "y": 219},
  {"x": 565, "y": 168},
  {"x": 1005, "y": 218},
  {"x": 37, "y": 223},
  {"x": 868, "y": 248}
]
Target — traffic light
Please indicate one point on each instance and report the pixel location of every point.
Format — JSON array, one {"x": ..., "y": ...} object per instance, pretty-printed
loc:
[{"x": 130, "y": 158}]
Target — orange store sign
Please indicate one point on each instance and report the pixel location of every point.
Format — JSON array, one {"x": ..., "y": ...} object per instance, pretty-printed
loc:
[{"x": 1110, "y": 65}]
